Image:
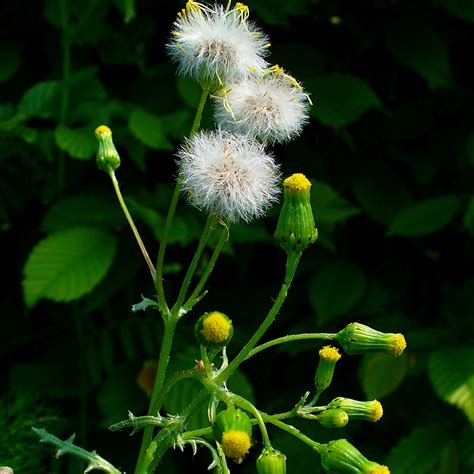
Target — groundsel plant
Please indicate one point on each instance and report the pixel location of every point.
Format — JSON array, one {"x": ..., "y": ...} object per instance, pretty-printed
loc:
[{"x": 229, "y": 175}]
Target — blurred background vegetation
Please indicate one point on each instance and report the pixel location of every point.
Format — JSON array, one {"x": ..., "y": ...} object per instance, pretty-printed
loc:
[{"x": 390, "y": 150}]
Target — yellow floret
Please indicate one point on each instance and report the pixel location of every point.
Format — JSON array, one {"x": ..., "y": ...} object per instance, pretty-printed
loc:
[
  {"x": 380, "y": 470},
  {"x": 329, "y": 353},
  {"x": 103, "y": 131},
  {"x": 297, "y": 182},
  {"x": 216, "y": 328},
  {"x": 236, "y": 444},
  {"x": 399, "y": 344},
  {"x": 378, "y": 411}
]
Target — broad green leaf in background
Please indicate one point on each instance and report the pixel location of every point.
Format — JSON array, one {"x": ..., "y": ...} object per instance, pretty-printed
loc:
[
  {"x": 419, "y": 452},
  {"x": 40, "y": 100},
  {"x": 67, "y": 265},
  {"x": 83, "y": 210},
  {"x": 381, "y": 191},
  {"x": 189, "y": 90},
  {"x": 463, "y": 9},
  {"x": 127, "y": 7},
  {"x": 341, "y": 99},
  {"x": 335, "y": 289},
  {"x": 149, "y": 129},
  {"x": 9, "y": 62},
  {"x": 77, "y": 142},
  {"x": 381, "y": 374},
  {"x": 329, "y": 206},
  {"x": 468, "y": 218},
  {"x": 470, "y": 148},
  {"x": 451, "y": 372},
  {"x": 425, "y": 217},
  {"x": 415, "y": 44}
]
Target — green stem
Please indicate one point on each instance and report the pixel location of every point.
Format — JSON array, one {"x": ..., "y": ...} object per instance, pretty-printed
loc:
[
  {"x": 132, "y": 224},
  {"x": 194, "y": 263},
  {"x": 291, "y": 338},
  {"x": 291, "y": 265},
  {"x": 169, "y": 218},
  {"x": 244, "y": 403},
  {"x": 196, "y": 294}
]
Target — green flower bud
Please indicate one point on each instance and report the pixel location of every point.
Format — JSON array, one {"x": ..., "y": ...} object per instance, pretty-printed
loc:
[
  {"x": 233, "y": 430},
  {"x": 295, "y": 229},
  {"x": 340, "y": 456},
  {"x": 328, "y": 356},
  {"x": 214, "y": 330},
  {"x": 271, "y": 461},
  {"x": 107, "y": 157},
  {"x": 368, "y": 411},
  {"x": 357, "y": 338},
  {"x": 333, "y": 418}
]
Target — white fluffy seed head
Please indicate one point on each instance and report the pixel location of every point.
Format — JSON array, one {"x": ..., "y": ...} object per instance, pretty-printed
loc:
[
  {"x": 272, "y": 107},
  {"x": 215, "y": 45},
  {"x": 228, "y": 175}
]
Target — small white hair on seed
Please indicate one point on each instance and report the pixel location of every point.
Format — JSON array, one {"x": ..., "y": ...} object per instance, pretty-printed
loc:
[
  {"x": 228, "y": 175},
  {"x": 216, "y": 44},
  {"x": 270, "y": 107}
]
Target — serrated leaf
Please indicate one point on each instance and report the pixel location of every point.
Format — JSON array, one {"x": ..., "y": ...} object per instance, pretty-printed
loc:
[
  {"x": 149, "y": 129},
  {"x": 77, "y": 142},
  {"x": 451, "y": 372},
  {"x": 336, "y": 289},
  {"x": 84, "y": 210},
  {"x": 381, "y": 374},
  {"x": 40, "y": 100},
  {"x": 425, "y": 217},
  {"x": 419, "y": 47},
  {"x": 341, "y": 99},
  {"x": 9, "y": 62},
  {"x": 463, "y": 9},
  {"x": 329, "y": 206},
  {"x": 405, "y": 456},
  {"x": 67, "y": 265},
  {"x": 144, "y": 304}
]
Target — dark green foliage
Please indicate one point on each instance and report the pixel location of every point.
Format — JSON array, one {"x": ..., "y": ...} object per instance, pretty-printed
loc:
[{"x": 390, "y": 153}]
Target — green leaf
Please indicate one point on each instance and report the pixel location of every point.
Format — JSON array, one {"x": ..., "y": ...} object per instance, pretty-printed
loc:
[
  {"x": 341, "y": 99},
  {"x": 67, "y": 265},
  {"x": 425, "y": 217},
  {"x": 83, "y": 210},
  {"x": 470, "y": 148},
  {"x": 40, "y": 100},
  {"x": 381, "y": 374},
  {"x": 463, "y": 9},
  {"x": 9, "y": 62},
  {"x": 149, "y": 129},
  {"x": 144, "y": 304},
  {"x": 336, "y": 289},
  {"x": 127, "y": 7},
  {"x": 189, "y": 91},
  {"x": 329, "y": 206},
  {"x": 415, "y": 44},
  {"x": 382, "y": 191},
  {"x": 419, "y": 452},
  {"x": 77, "y": 142},
  {"x": 451, "y": 372},
  {"x": 468, "y": 218}
]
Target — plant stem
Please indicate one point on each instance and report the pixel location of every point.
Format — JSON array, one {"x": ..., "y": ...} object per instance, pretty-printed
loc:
[
  {"x": 291, "y": 265},
  {"x": 244, "y": 403},
  {"x": 194, "y": 262},
  {"x": 132, "y": 224},
  {"x": 195, "y": 296},
  {"x": 291, "y": 338},
  {"x": 169, "y": 218}
]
